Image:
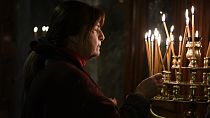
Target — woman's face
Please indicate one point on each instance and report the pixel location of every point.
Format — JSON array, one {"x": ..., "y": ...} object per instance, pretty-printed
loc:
[{"x": 94, "y": 40}]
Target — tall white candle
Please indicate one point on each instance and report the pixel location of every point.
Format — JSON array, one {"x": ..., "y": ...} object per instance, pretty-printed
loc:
[
  {"x": 172, "y": 40},
  {"x": 187, "y": 22},
  {"x": 147, "y": 51},
  {"x": 156, "y": 59},
  {"x": 164, "y": 23},
  {"x": 193, "y": 31},
  {"x": 180, "y": 44},
  {"x": 152, "y": 55}
]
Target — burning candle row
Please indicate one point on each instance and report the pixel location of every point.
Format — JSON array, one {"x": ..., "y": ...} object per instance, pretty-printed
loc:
[
  {"x": 154, "y": 55},
  {"x": 152, "y": 42}
]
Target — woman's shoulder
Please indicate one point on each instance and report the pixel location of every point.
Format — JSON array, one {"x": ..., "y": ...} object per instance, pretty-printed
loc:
[{"x": 62, "y": 66}]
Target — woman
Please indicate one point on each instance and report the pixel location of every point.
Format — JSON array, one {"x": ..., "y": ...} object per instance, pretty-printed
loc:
[{"x": 57, "y": 86}]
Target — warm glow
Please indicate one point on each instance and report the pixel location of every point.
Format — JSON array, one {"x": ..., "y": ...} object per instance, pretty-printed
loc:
[
  {"x": 149, "y": 33},
  {"x": 145, "y": 36},
  {"x": 196, "y": 33},
  {"x": 192, "y": 9},
  {"x": 156, "y": 32},
  {"x": 43, "y": 28},
  {"x": 186, "y": 13},
  {"x": 152, "y": 38},
  {"x": 163, "y": 18},
  {"x": 172, "y": 28},
  {"x": 180, "y": 38},
  {"x": 35, "y": 29},
  {"x": 46, "y": 28}
]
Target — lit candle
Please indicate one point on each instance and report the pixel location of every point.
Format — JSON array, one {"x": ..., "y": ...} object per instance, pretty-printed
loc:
[
  {"x": 187, "y": 22},
  {"x": 193, "y": 26},
  {"x": 164, "y": 23},
  {"x": 180, "y": 44},
  {"x": 149, "y": 48},
  {"x": 156, "y": 64},
  {"x": 152, "y": 55},
  {"x": 147, "y": 51},
  {"x": 193, "y": 31},
  {"x": 168, "y": 56},
  {"x": 172, "y": 40},
  {"x": 149, "y": 37},
  {"x": 47, "y": 28},
  {"x": 35, "y": 32},
  {"x": 183, "y": 48},
  {"x": 196, "y": 34}
]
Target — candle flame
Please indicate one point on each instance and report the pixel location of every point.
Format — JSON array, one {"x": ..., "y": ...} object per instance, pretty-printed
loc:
[
  {"x": 186, "y": 13},
  {"x": 43, "y": 28},
  {"x": 156, "y": 32},
  {"x": 149, "y": 33},
  {"x": 196, "y": 33},
  {"x": 146, "y": 35},
  {"x": 35, "y": 29},
  {"x": 46, "y": 28},
  {"x": 163, "y": 17},
  {"x": 180, "y": 38},
  {"x": 172, "y": 28},
  {"x": 192, "y": 9}
]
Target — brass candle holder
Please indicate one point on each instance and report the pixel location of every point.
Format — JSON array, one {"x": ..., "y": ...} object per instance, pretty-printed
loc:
[
  {"x": 164, "y": 93},
  {"x": 178, "y": 62},
  {"x": 166, "y": 76},
  {"x": 193, "y": 77},
  {"x": 206, "y": 62},
  {"x": 193, "y": 54},
  {"x": 208, "y": 78},
  {"x": 192, "y": 93},
  {"x": 176, "y": 92},
  {"x": 205, "y": 92},
  {"x": 174, "y": 62},
  {"x": 178, "y": 77},
  {"x": 208, "y": 94},
  {"x": 204, "y": 78}
]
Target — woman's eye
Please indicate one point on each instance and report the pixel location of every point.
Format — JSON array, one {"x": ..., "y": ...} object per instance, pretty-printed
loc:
[{"x": 96, "y": 29}]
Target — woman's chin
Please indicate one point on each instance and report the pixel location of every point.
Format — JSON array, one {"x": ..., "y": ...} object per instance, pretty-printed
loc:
[{"x": 95, "y": 55}]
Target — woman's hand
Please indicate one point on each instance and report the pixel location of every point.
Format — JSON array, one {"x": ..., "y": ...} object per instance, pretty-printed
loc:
[{"x": 151, "y": 86}]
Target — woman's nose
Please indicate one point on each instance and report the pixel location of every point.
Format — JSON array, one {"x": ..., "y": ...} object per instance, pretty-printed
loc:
[{"x": 101, "y": 37}]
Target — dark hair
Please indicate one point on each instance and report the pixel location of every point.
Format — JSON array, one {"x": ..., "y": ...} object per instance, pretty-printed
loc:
[{"x": 69, "y": 18}]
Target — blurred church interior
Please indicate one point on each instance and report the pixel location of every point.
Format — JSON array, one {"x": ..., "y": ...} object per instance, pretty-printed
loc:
[{"x": 123, "y": 60}]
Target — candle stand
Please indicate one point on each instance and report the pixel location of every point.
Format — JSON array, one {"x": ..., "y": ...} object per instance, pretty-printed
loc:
[{"x": 189, "y": 92}]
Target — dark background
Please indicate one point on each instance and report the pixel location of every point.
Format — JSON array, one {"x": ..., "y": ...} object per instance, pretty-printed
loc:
[{"x": 122, "y": 63}]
